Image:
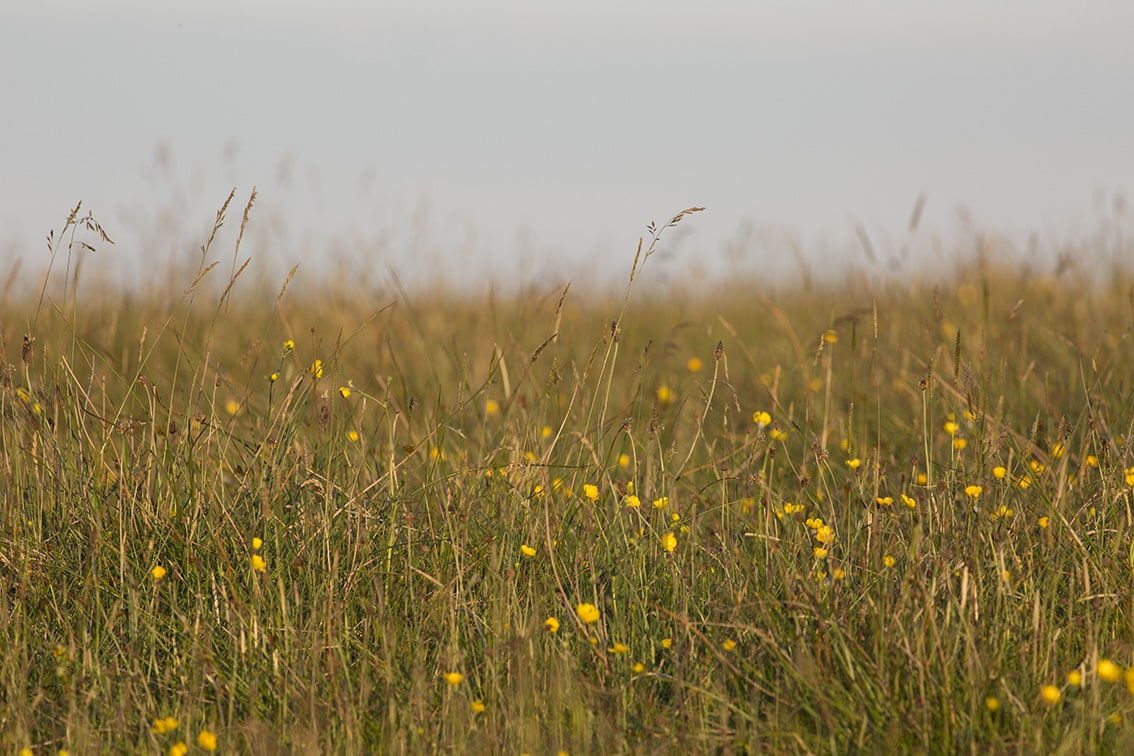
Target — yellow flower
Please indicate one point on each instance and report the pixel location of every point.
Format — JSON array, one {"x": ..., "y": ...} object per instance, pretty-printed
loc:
[
  {"x": 527, "y": 551},
  {"x": 1058, "y": 450},
  {"x": 546, "y": 431},
  {"x": 820, "y": 552},
  {"x": 824, "y": 534},
  {"x": 618, "y": 648},
  {"x": 1044, "y": 522},
  {"x": 1129, "y": 675},
  {"x": 1037, "y": 467},
  {"x": 854, "y": 464},
  {"x": 257, "y": 543},
  {"x": 207, "y": 740},
  {"x": 633, "y": 501},
  {"x": 1109, "y": 671},
  {"x": 1075, "y": 678},
  {"x": 158, "y": 572},
  {"x": 839, "y": 573},
  {"x": 922, "y": 478},
  {"x": 669, "y": 541},
  {"x": 885, "y": 500},
  {"x": 729, "y": 644},
  {"x": 454, "y": 678},
  {"x": 777, "y": 435},
  {"x": 259, "y": 564},
  {"x": 999, "y": 472},
  {"x": 437, "y": 454},
  {"x": 590, "y": 491},
  {"x": 973, "y": 492},
  {"x": 831, "y": 337},
  {"x": 317, "y": 368},
  {"x": 909, "y": 501},
  {"x": 344, "y": 392},
  {"x": 1050, "y": 694},
  {"x": 693, "y": 365},
  {"x": 638, "y": 668},
  {"x": 588, "y": 613},
  {"x": 664, "y": 395},
  {"x": 761, "y": 418},
  {"x": 1092, "y": 460},
  {"x": 888, "y": 560},
  {"x": 791, "y": 509},
  {"x": 666, "y": 642},
  {"x": 623, "y": 460},
  {"x": 178, "y": 749},
  {"x": 164, "y": 725},
  {"x": 1130, "y": 476},
  {"x": 813, "y": 522},
  {"x": 274, "y": 377},
  {"x": 288, "y": 345},
  {"x": 992, "y": 703},
  {"x": 491, "y": 407},
  {"x": 26, "y": 752},
  {"x": 951, "y": 428},
  {"x": 959, "y": 444},
  {"x": 1003, "y": 511},
  {"x": 477, "y": 706},
  {"x": 352, "y": 436},
  {"x": 538, "y": 491},
  {"x": 551, "y": 624},
  {"x": 232, "y": 406}
]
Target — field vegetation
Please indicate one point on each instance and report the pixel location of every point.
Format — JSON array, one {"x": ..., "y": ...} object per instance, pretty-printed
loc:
[{"x": 883, "y": 516}]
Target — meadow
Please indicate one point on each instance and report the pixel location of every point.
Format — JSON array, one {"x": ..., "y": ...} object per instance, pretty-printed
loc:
[{"x": 884, "y": 516}]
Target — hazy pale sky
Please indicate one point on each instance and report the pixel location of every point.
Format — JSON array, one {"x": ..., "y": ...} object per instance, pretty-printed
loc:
[{"x": 476, "y": 135}]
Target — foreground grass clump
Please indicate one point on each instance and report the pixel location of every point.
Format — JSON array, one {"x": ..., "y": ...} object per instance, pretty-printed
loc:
[{"x": 891, "y": 520}]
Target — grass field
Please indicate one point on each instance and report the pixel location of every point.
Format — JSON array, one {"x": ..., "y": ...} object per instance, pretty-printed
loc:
[{"x": 878, "y": 517}]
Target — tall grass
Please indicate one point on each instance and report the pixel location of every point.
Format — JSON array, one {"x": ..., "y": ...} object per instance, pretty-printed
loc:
[{"x": 884, "y": 518}]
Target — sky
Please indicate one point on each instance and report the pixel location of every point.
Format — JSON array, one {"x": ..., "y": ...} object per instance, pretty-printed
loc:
[{"x": 518, "y": 140}]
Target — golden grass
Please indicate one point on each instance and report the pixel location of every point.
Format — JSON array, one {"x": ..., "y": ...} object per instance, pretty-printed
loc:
[{"x": 875, "y": 518}]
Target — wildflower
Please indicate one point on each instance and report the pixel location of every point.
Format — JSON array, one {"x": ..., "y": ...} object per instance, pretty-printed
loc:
[
  {"x": 317, "y": 368},
  {"x": 1092, "y": 460},
  {"x": 538, "y": 491},
  {"x": 453, "y": 678},
  {"x": 352, "y": 436},
  {"x": 854, "y": 464},
  {"x": 1050, "y": 694},
  {"x": 527, "y": 551},
  {"x": 232, "y": 406},
  {"x": 992, "y": 703},
  {"x": 618, "y": 648},
  {"x": 815, "y": 385},
  {"x": 491, "y": 407},
  {"x": 885, "y": 500},
  {"x": 552, "y": 624},
  {"x": 791, "y": 509},
  {"x": 959, "y": 444},
  {"x": 590, "y": 491},
  {"x": 207, "y": 740},
  {"x": 813, "y": 522},
  {"x": 824, "y": 534},
  {"x": 761, "y": 418},
  {"x": 178, "y": 749},
  {"x": 1044, "y": 521},
  {"x": 274, "y": 377},
  {"x": 436, "y": 453},
  {"x": 664, "y": 395},
  {"x": 820, "y": 552},
  {"x": 973, "y": 492},
  {"x": 1075, "y": 678},
  {"x": 638, "y": 668},
  {"x": 288, "y": 345},
  {"x": 546, "y": 431},
  {"x": 831, "y": 337},
  {"x": 1108, "y": 671},
  {"x": 729, "y": 644},
  {"x": 922, "y": 479},
  {"x": 1003, "y": 511},
  {"x": 661, "y": 503},
  {"x": 344, "y": 392},
  {"x": 1129, "y": 676},
  {"x": 909, "y": 501},
  {"x": 666, "y": 642},
  {"x": 669, "y": 541},
  {"x": 777, "y": 435},
  {"x": 623, "y": 460},
  {"x": 588, "y": 613},
  {"x": 165, "y": 724},
  {"x": 839, "y": 573},
  {"x": 951, "y": 428},
  {"x": 633, "y": 501},
  {"x": 158, "y": 572},
  {"x": 888, "y": 560},
  {"x": 1130, "y": 476},
  {"x": 1058, "y": 450},
  {"x": 478, "y": 706},
  {"x": 257, "y": 543},
  {"x": 1024, "y": 482},
  {"x": 999, "y": 472},
  {"x": 693, "y": 365},
  {"x": 1037, "y": 467},
  {"x": 259, "y": 564}
]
